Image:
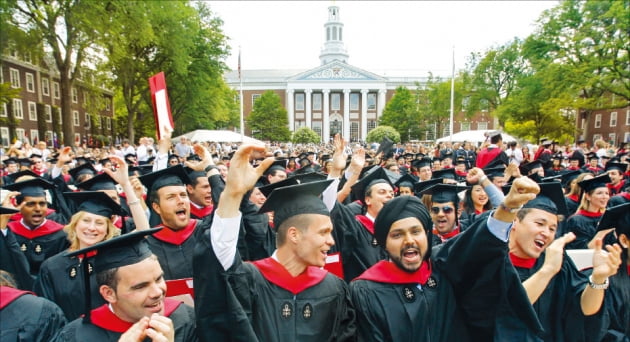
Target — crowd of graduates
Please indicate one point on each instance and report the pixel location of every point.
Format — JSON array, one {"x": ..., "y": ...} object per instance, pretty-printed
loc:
[{"x": 340, "y": 242}]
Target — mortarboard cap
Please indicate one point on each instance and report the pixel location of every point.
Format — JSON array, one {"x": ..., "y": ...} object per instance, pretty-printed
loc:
[
  {"x": 567, "y": 177},
  {"x": 419, "y": 163},
  {"x": 143, "y": 169},
  {"x": 83, "y": 169},
  {"x": 173, "y": 156},
  {"x": 550, "y": 199},
  {"x": 421, "y": 186},
  {"x": 35, "y": 155},
  {"x": 528, "y": 167},
  {"x": 605, "y": 156},
  {"x": 33, "y": 187},
  {"x": 408, "y": 155},
  {"x": 309, "y": 177},
  {"x": 575, "y": 157},
  {"x": 5, "y": 210},
  {"x": 24, "y": 161},
  {"x": 278, "y": 164},
  {"x": 174, "y": 175},
  {"x": 494, "y": 134},
  {"x": 292, "y": 200},
  {"x": 406, "y": 180},
  {"x": 95, "y": 202},
  {"x": 594, "y": 183},
  {"x": 442, "y": 193},
  {"x": 14, "y": 176},
  {"x": 10, "y": 161},
  {"x": 375, "y": 175},
  {"x": 554, "y": 178},
  {"x": 617, "y": 217},
  {"x": 385, "y": 146},
  {"x": 498, "y": 171},
  {"x": 592, "y": 155},
  {"x": 101, "y": 181},
  {"x": 191, "y": 157},
  {"x": 460, "y": 161},
  {"x": 621, "y": 167},
  {"x": 267, "y": 189},
  {"x": 444, "y": 173},
  {"x": 82, "y": 160}
]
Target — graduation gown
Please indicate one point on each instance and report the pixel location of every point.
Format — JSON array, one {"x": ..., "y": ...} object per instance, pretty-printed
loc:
[
  {"x": 354, "y": 238},
  {"x": 13, "y": 260},
  {"x": 573, "y": 202},
  {"x": 41, "y": 243},
  {"x": 622, "y": 198},
  {"x": 27, "y": 318},
  {"x": 107, "y": 327},
  {"x": 259, "y": 236},
  {"x": 616, "y": 320},
  {"x": 174, "y": 250},
  {"x": 61, "y": 280},
  {"x": 558, "y": 307},
  {"x": 584, "y": 225},
  {"x": 263, "y": 302}
]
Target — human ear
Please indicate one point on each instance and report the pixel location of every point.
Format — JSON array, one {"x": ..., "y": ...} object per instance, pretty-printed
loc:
[{"x": 108, "y": 293}]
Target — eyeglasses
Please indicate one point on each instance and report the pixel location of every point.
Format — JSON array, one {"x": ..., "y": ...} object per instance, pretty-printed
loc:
[{"x": 446, "y": 209}]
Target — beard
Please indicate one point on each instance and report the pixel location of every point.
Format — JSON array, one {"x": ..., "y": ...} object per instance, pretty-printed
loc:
[{"x": 398, "y": 260}]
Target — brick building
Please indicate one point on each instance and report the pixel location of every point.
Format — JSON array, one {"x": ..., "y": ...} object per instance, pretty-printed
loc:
[
  {"x": 611, "y": 125},
  {"x": 336, "y": 96},
  {"x": 38, "y": 105}
]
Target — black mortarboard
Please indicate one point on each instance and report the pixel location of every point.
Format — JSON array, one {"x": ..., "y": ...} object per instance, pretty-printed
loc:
[
  {"x": 173, "y": 156},
  {"x": 95, "y": 202},
  {"x": 367, "y": 169},
  {"x": 616, "y": 166},
  {"x": 408, "y": 155},
  {"x": 550, "y": 199},
  {"x": 143, "y": 169},
  {"x": 580, "y": 141},
  {"x": 617, "y": 217},
  {"x": 594, "y": 183},
  {"x": 5, "y": 210},
  {"x": 33, "y": 187},
  {"x": 495, "y": 163},
  {"x": 104, "y": 160},
  {"x": 418, "y": 163},
  {"x": 448, "y": 154},
  {"x": 460, "y": 161},
  {"x": 119, "y": 251},
  {"x": 24, "y": 161},
  {"x": 421, "y": 186},
  {"x": 174, "y": 175},
  {"x": 302, "y": 155},
  {"x": 393, "y": 176},
  {"x": 191, "y": 157},
  {"x": 528, "y": 167},
  {"x": 436, "y": 158},
  {"x": 444, "y": 173},
  {"x": 10, "y": 161},
  {"x": 385, "y": 146},
  {"x": 554, "y": 178},
  {"x": 309, "y": 177},
  {"x": 592, "y": 155},
  {"x": 442, "y": 193},
  {"x": 99, "y": 182},
  {"x": 494, "y": 134},
  {"x": 83, "y": 169},
  {"x": 267, "y": 189},
  {"x": 304, "y": 162},
  {"x": 293, "y": 200},
  {"x": 82, "y": 160},
  {"x": 35, "y": 155},
  {"x": 406, "y": 180},
  {"x": 278, "y": 164},
  {"x": 420, "y": 155},
  {"x": 374, "y": 176},
  {"x": 546, "y": 142},
  {"x": 567, "y": 177},
  {"x": 19, "y": 174},
  {"x": 576, "y": 157},
  {"x": 605, "y": 156},
  {"x": 492, "y": 172}
]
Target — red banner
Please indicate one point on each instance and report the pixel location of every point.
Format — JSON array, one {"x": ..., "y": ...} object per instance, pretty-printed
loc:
[{"x": 161, "y": 105}]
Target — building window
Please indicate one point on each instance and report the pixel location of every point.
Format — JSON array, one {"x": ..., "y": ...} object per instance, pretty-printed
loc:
[
  {"x": 483, "y": 105},
  {"x": 335, "y": 101},
  {"x": 14, "y": 74},
  {"x": 446, "y": 131},
  {"x": 354, "y": 101},
  {"x": 30, "y": 83},
  {"x": 88, "y": 122},
  {"x": 482, "y": 125},
  {"x": 4, "y": 136},
  {"x": 77, "y": 137},
  {"x": 354, "y": 131},
  {"x": 371, "y": 101},
  {"x": 3, "y": 111},
  {"x": 75, "y": 95},
  {"x": 628, "y": 117},
  {"x": 464, "y": 126},
  {"x": 596, "y": 137},
  {"x": 19, "y": 134},
  {"x": 45, "y": 87},
  {"x": 32, "y": 111},
  {"x": 49, "y": 138},
  {"x": 317, "y": 127},
  {"x": 371, "y": 124},
  {"x": 299, "y": 101},
  {"x": 48, "y": 113},
  {"x": 254, "y": 98},
  {"x": 18, "y": 113},
  {"x": 28, "y": 58},
  {"x": 598, "y": 120},
  {"x": 613, "y": 119},
  {"x": 108, "y": 104},
  {"x": 75, "y": 117},
  {"x": 108, "y": 121},
  {"x": 317, "y": 101},
  {"x": 465, "y": 102},
  {"x": 85, "y": 98},
  {"x": 612, "y": 137},
  {"x": 34, "y": 136},
  {"x": 626, "y": 137},
  {"x": 56, "y": 90},
  {"x": 583, "y": 123}
]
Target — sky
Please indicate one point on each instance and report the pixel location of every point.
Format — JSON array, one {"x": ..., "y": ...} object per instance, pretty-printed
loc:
[{"x": 384, "y": 37}]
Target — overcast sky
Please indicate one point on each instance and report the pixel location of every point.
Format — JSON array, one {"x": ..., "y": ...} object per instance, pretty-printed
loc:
[{"x": 380, "y": 36}]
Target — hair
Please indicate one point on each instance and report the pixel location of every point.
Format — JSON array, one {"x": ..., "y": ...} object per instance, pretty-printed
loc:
[
  {"x": 72, "y": 234},
  {"x": 469, "y": 205},
  {"x": 194, "y": 177},
  {"x": 495, "y": 139},
  {"x": 110, "y": 277},
  {"x": 6, "y": 279},
  {"x": 584, "y": 202},
  {"x": 523, "y": 212},
  {"x": 574, "y": 188},
  {"x": 300, "y": 221},
  {"x": 600, "y": 143},
  {"x": 390, "y": 164}
]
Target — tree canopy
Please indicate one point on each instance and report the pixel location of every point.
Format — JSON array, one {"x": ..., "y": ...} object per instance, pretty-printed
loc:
[{"x": 268, "y": 120}]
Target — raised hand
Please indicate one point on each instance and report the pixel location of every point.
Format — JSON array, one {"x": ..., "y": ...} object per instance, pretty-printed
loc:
[
  {"x": 554, "y": 253},
  {"x": 161, "y": 329},
  {"x": 65, "y": 156},
  {"x": 605, "y": 262},
  {"x": 121, "y": 175},
  {"x": 474, "y": 175},
  {"x": 522, "y": 191}
]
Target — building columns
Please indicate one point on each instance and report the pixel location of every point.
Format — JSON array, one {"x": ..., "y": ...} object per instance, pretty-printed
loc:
[
  {"x": 380, "y": 103},
  {"x": 326, "y": 115},
  {"x": 290, "y": 109},
  {"x": 364, "y": 93},
  {"x": 307, "y": 103},
  {"x": 346, "y": 114}
]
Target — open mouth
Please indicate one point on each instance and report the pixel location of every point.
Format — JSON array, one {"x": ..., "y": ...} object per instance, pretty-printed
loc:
[
  {"x": 155, "y": 307},
  {"x": 181, "y": 213},
  {"x": 539, "y": 243},
  {"x": 411, "y": 255}
]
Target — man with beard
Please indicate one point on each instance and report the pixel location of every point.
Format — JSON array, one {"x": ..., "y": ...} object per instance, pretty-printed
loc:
[
  {"x": 615, "y": 172},
  {"x": 458, "y": 295}
]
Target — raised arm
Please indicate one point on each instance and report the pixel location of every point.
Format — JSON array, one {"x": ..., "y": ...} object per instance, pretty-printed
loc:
[{"x": 121, "y": 176}]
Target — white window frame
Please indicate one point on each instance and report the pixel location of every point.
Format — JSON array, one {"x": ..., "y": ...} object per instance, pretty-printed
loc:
[
  {"x": 598, "y": 120},
  {"x": 354, "y": 101},
  {"x": 75, "y": 95},
  {"x": 45, "y": 87},
  {"x": 628, "y": 117},
  {"x": 626, "y": 137},
  {"x": 4, "y": 136},
  {"x": 75, "y": 118},
  {"x": 613, "y": 119},
  {"x": 108, "y": 121},
  {"x": 20, "y": 134},
  {"x": 56, "y": 91},
  {"x": 48, "y": 113},
  {"x": 88, "y": 121},
  {"x": 299, "y": 101},
  {"x": 464, "y": 126},
  {"x": 77, "y": 137},
  {"x": 32, "y": 111},
  {"x": 28, "y": 58},
  {"x": 254, "y": 98},
  {"x": 108, "y": 104},
  {"x": 483, "y": 125},
  {"x": 371, "y": 101},
  {"x": 34, "y": 134},
  {"x": 30, "y": 82},
  {"x": 85, "y": 97},
  {"x": 18, "y": 110},
  {"x": 14, "y": 75},
  {"x": 3, "y": 111},
  {"x": 596, "y": 137},
  {"x": 317, "y": 104},
  {"x": 50, "y": 138},
  {"x": 335, "y": 101},
  {"x": 612, "y": 137}
]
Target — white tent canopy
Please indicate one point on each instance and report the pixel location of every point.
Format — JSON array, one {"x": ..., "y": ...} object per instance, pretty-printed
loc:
[
  {"x": 474, "y": 136},
  {"x": 203, "y": 135}
]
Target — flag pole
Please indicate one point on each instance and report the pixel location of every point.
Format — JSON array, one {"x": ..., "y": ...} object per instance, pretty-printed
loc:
[
  {"x": 450, "y": 125},
  {"x": 241, "y": 95}
]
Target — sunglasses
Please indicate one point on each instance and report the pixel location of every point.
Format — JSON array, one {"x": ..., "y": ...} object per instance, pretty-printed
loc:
[{"x": 446, "y": 209}]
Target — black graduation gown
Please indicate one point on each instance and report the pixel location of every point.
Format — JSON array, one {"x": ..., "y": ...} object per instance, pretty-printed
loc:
[
  {"x": 358, "y": 247},
  {"x": 241, "y": 304},
  {"x": 13, "y": 260},
  {"x": 584, "y": 227},
  {"x": 61, "y": 280},
  {"x": 38, "y": 248},
  {"x": 78, "y": 331},
  {"x": 558, "y": 307},
  {"x": 28, "y": 318},
  {"x": 616, "y": 317},
  {"x": 259, "y": 236},
  {"x": 175, "y": 250},
  {"x": 572, "y": 206},
  {"x": 620, "y": 199}
]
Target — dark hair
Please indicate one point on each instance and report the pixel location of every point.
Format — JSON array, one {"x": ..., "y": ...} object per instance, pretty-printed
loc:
[
  {"x": 469, "y": 205},
  {"x": 108, "y": 277},
  {"x": 523, "y": 212},
  {"x": 194, "y": 177},
  {"x": 495, "y": 139},
  {"x": 300, "y": 221}
]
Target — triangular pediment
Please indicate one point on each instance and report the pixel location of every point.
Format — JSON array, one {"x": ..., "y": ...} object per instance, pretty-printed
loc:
[{"x": 337, "y": 71}]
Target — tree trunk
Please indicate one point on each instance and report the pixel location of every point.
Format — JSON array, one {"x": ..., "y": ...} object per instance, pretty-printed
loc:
[{"x": 66, "y": 108}]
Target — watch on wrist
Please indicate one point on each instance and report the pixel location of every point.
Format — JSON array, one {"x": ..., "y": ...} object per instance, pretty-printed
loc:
[
  {"x": 596, "y": 286},
  {"x": 508, "y": 209},
  {"x": 483, "y": 178}
]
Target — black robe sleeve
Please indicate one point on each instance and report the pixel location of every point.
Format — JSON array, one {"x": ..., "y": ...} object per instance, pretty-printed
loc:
[
  {"x": 584, "y": 229},
  {"x": 30, "y": 318},
  {"x": 13, "y": 260}
]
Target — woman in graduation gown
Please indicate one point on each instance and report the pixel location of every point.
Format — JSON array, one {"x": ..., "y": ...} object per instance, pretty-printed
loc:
[
  {"x": 584, "y": 223},
  {"x": 573, "y": 198},
  {"x": 62, "y": 279}
]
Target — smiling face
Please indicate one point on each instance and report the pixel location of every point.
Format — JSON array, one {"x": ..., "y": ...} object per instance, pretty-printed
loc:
[
  {"x": 532, "y": 233},
  {"x": 597, "y": 198},
  {"x": 425, "y": 173},
  {"x": 313, "y": 243},
  {"x": 377, "y": 196},
  {"x": 615, "y": 176},
  {"x": 257, "y": 197},
  {"x": 407, "y": 243},
  {"x": 173, "y": 206},
  {"x": 140, "y": 290},
  {"x": 90, "y": 229},
  {"x": 479, "y": 196}
]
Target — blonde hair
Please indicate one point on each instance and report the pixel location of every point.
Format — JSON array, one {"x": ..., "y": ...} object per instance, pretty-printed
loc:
[
  {"x": 575, "y": 188},
  {"x": 600, "y": 143},
  {"x": 584, "y": 202},
  {"x": 72, "y": 234}
]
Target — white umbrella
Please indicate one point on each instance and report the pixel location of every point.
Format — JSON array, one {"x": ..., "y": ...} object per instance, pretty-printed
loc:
[
  {"x": 474, "y": 136},
  {"x": 202, "y": 135}
]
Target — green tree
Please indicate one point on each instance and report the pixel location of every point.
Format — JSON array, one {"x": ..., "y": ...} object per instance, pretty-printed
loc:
[
  {"x": 434, "y": 103},
  {"x": 380, "y": 132},
  {"x": 7, "y": 94},
  {"x": 401, "y": 113},
  {"x": 305, "y": 135},
  {"x": 268, "y": 119}
]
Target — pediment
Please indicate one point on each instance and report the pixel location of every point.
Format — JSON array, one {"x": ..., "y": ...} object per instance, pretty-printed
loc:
[{"x": 337, "y": 71}]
